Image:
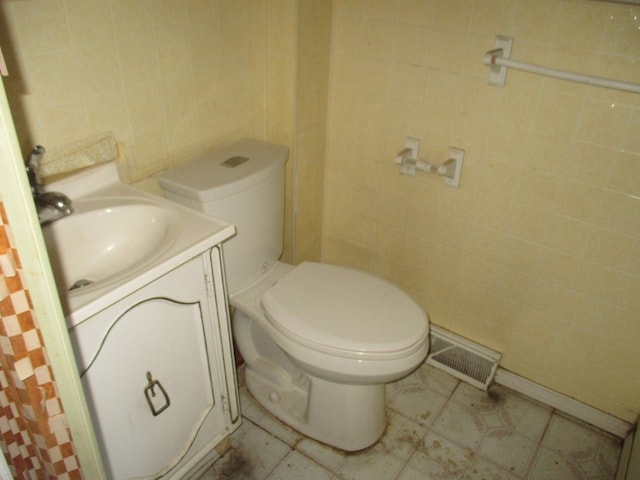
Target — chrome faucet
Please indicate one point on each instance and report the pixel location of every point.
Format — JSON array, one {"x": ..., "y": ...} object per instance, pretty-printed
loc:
[{"x": 51, "y": 206}]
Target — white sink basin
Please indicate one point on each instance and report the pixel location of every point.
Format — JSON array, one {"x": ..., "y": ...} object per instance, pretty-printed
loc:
[
  {"x": 118, "y": 240},
  {"x": 106, "y": 238}
]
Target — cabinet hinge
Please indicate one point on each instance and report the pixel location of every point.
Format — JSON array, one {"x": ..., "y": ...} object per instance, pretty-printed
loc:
[{"x": 225, "y": 404}]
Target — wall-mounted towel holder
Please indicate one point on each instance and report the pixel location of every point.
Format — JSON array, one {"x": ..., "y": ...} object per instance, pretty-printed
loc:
[
  {"x": 499, "y": 61},
  {"x": 450, "y": 169}
]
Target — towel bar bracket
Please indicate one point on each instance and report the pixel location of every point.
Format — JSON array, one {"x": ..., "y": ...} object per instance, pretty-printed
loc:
[{"x": 502, "y": 48}]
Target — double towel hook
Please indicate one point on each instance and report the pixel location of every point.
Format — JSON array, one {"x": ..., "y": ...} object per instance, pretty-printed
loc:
[{"x": 450, "y": 169}]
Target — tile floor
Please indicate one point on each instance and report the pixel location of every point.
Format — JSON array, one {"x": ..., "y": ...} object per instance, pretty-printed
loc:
[{"x": 440, "y": 428}]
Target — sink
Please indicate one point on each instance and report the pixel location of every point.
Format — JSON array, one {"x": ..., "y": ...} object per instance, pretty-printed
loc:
[
  {"x": 118, "y": 240},
  {"x": 106, "y": 238}
]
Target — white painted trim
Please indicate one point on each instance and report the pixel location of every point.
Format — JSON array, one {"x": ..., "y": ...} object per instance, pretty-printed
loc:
[
  {"x": 5, "y": 472},
  {"x": 625, "y": 458},
  {"x": 15, "y": 194},
  {"x": 563, "y": 403}
]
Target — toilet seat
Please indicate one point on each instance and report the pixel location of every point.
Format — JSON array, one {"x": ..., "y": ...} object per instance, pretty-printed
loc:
[{"x": 345, "y": 313}]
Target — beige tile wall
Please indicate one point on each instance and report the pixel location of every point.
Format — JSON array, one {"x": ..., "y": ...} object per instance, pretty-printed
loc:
[
  {"x": 282, "y": 64},
  {"x": 537, "y": 254},
  {"x": 171, "y": 78},
  {"x": 298, "y": 44},
  {"x": 314, "y": 42}
]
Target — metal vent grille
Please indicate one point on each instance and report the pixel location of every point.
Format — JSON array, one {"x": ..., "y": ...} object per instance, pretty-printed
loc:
[{"x": 462, "y": 358}]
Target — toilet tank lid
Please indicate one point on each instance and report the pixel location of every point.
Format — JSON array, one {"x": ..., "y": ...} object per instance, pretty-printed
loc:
[{"x": 225, "y": 172}]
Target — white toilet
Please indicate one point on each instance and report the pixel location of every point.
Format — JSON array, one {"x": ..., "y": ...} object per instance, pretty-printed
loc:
[{"x": 319, "y": 341}]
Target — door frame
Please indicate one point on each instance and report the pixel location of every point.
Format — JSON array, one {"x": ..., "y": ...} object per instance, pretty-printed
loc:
[{"x": 15, "y": 194}]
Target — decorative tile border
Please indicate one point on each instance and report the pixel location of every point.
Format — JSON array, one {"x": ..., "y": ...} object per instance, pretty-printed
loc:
[{"x": 34, "y": 434}]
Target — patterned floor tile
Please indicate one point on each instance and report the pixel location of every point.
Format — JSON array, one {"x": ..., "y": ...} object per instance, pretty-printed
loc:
[
  {"x": 402, "y": 437},
  {"x": 500, "y": 426},
  {"x": 501, "y": 408},
  {"x": 370, "y": 464},
  {"x": 255, "y": 453},
  {"x": 441, "y": 458},
  {"x": 461, "y": 424},
  {"x": 480, "y": 469},
  {"x": 296, "y": 466},
  {"x": 410, "y": 473},
  {"x": 330, "y": 457},
  {"x": 420, "y": 406},
  {"x": 509, "y": 450},
  {"x": 587, "y": 451},
  {"x": 439, "y": 428},
  {"x": 550, "y": 465}
]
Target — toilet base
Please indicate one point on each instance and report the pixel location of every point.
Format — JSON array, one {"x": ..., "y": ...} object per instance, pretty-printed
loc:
[{"x": 348, "y": 417}]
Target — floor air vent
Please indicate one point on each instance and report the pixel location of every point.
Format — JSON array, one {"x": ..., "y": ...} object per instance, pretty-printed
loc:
[{"x": 462, "y": 358}]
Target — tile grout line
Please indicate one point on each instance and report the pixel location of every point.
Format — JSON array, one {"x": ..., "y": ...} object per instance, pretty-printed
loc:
[
  {"x": 428, "y": 428},
  {"x": 539, "y": 444},
  {"x": 475, "y": 451},
  {"x": 266, "y": 476},
  {"x": 292, "y": 448}
]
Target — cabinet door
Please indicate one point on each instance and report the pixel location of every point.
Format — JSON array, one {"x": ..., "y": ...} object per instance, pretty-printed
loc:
[{"x": 147, "y": 373}]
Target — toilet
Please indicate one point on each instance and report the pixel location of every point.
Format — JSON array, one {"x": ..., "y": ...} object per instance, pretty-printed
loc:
[{"x": 319, "y": 341}]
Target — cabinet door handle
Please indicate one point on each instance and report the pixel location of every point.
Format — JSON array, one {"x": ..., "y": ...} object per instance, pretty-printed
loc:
[{"x": 150, "y": 392}]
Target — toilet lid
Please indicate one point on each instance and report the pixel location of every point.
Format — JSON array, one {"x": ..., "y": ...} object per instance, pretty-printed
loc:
[{"x": 344, "y": 311}]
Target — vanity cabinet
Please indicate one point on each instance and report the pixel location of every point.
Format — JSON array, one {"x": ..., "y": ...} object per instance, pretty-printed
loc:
[{"x": 158, "y": 373}]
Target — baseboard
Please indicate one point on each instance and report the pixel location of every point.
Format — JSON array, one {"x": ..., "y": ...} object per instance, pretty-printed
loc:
[
  {"x": 563, "y": 403},
  {"x": 625, "y": 458}
]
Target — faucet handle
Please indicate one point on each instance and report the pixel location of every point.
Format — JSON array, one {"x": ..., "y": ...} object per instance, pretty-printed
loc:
[
  {"x": 33, "y": 160},
  {"x": 33, "y": 164}
]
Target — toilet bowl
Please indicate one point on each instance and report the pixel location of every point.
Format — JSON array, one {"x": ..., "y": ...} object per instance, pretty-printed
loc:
[
  {"x": 321, "y": 366},
  {"x": 319, "y": 341}
]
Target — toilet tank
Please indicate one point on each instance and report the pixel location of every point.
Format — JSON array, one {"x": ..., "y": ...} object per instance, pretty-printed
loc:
[{"x": 242, "y": 184}]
